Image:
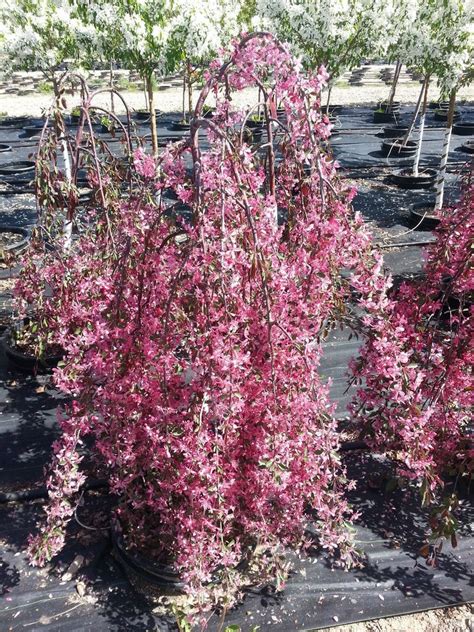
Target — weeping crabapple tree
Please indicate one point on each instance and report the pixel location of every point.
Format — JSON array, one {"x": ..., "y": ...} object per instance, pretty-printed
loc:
[
  {"x": 415, "y": 371},
  {"x": 76, "y": 177},
  {"x": 193, "y": 329}
]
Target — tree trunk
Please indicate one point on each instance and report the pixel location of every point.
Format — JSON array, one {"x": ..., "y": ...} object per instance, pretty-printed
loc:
[
  {"x": 329, "y": 98},
  {"x": 151, "y": 109},
  {"x": 190, "y": 92},
  {"x": 416, "y": 164},
  {"x": 184, "y": 95},
  {"x": 111, "y": 86},
  {"x": 424, "y": 89},
  {"x": 393, "y": 87},
  {"x": 67, "y": 223},
  {"x": 445, "y": 153}
]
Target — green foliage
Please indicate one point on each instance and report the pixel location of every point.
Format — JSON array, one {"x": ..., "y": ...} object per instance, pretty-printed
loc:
[{"x": 44, "y": 88}]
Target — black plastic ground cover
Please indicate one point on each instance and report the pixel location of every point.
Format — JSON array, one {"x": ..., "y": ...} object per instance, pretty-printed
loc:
[
  {"x": 390, "y": 530},
  {"x": 392, "y": 580}
]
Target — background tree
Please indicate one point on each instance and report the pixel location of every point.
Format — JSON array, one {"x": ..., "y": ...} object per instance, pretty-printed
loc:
[
  {"x": 336, "y": 33},
  {"x": 134, "y": 33}
]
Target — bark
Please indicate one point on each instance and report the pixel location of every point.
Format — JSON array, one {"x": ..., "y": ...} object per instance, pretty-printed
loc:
[
  {"x": 151, "y": 109},
  {"x": 190, "y": 92},
  {"x": 329, "y": 98},
  {"x": 67, "y": 223},
  {"x": 184, "y": 96},
  {"x": 111, "y": 86},
  {"x": 445, "y": 153},
  {"x": 416, "y": 164},
  {"x": 424, "y": 89},
  {"x": 393, "y": 87}
]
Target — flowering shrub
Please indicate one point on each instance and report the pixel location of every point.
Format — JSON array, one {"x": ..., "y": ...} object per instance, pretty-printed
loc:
[
  {"x": 416, "y": 364},
  {"x": 193, "y": 332}
]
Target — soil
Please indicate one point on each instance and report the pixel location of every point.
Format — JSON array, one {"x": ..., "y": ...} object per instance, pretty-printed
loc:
[{"x": 459, "y": 619}]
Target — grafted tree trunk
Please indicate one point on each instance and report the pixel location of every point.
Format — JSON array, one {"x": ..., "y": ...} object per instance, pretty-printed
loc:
[
  {"x": 393, "y": 87},
  {"x": 67, "y": 222},
  {"x": 416, "y": 164},
  {"x": 151, "y": 110},
  {"x": 445, "y": 153}
]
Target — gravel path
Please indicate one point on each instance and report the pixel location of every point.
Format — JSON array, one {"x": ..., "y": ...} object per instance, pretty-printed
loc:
[
  {"x": 444, "y": 620},
  {"x": 170, "y": 100}
]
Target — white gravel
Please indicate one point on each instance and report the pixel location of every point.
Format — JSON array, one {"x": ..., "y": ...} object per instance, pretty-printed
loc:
[{"x": 170, "y": 100}]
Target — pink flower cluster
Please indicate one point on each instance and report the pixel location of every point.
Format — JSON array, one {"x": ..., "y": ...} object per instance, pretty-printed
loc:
[{"x": 415, "y": 367}]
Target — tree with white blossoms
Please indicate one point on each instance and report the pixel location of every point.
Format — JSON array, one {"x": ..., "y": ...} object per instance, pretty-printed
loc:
[
  {"x": 135, "y": 33},
  {"x": 438, "y": 41},
  {"x": 336, "y": 33},
  {"x": 198, "y": 31},
  {"x": 40, "y": 35},
  {"x": 452, "y": 25}
]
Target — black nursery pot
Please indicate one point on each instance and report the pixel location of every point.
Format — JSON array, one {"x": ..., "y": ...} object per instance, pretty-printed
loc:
[
  {"x": 438, "y": 105},
  {"x": 18, "y": 246},
  {"x": 421, "y": 215},
  {"x": 464, "y": 129},
  {"x": 333, "y": 109},
  {"x": 406, "y": 180},
  {"x": 25, "y": 362},
  {"x": 394, "y": 149},
  {"x": 384, "y": 105},
  {"x": 384, "y": 117},
  {"x": 32, "y": 130},
  {"x": 395, "y": 131},
  {"x": 252, "y": 135},
  {"x": 468, "y": 148},
  {"x": 180, "y": 126},
  {"x": 14, "y": 121},
  {"x": 144, "y": 115},
  {"x": 255, "y": 123},
  {"x": 442, "y": 115},
  {"x": 141, "y": 570},
  {"x": 19, "y": 166},
  {"x": 4, "y": 148}
]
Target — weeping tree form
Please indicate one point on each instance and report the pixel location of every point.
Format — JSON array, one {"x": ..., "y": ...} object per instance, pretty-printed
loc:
[
  {"x": 134, "y": 33},
  {"x": 193, "y": 343},
  {"x": 198, "y": 31},
  {"x": 438, "y": 41},
  {"x": 43, "y": 35},
  {"x": 336, "y": 33},
  {"x": 415, "y": 373}
]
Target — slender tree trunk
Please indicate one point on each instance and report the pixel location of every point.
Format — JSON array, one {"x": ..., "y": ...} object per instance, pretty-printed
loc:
[
  {"x": 445, "y": 153},
  {"x": 67, "y": 222},
  {"x": 111, "y": 86},
  {"x": 145, "y": 92},
  {"x": 417, "y": 109},
  {"x": 393, "y": 87},
  {"x": 151, "y": 109},
  {"x": 329, "y": 98},
  {"x": 416, "y": 164},
  {"x": 190, "y": 92},
  {"x": 184, "y": 95}
]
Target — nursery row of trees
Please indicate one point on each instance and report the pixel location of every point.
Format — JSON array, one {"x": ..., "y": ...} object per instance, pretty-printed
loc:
[{"x": 433, "y": 37}]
